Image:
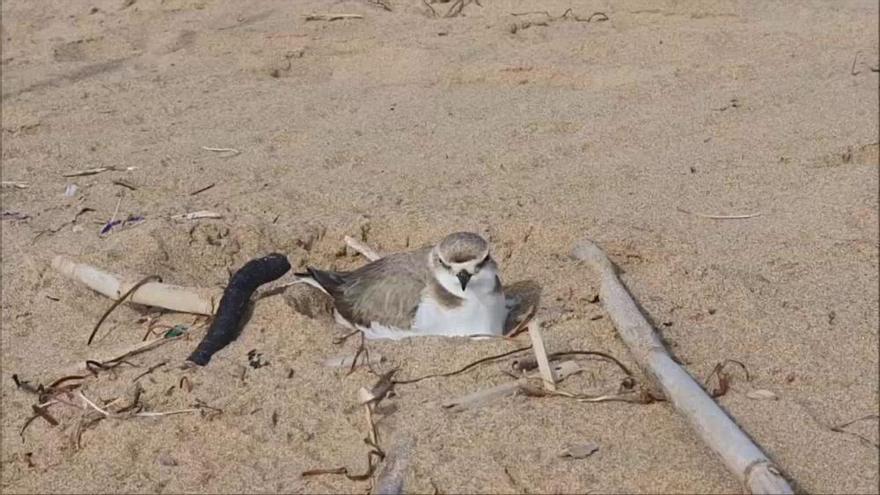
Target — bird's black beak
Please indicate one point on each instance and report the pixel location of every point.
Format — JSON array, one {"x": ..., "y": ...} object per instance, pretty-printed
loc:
[{"x": 463, "y": 277}]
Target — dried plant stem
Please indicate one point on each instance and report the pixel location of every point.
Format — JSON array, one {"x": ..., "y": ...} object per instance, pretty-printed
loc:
[
  {"x": 546, "y": 371},
  {"x": 365, "y": 250},
  {"x": 332, "y": 17},
  {"x": 721, "y": 217}
]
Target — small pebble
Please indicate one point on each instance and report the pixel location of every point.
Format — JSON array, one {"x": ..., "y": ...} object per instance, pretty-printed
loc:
[
  {"x": 579, "y": 451},
  {"x": 166, "y": 460}
]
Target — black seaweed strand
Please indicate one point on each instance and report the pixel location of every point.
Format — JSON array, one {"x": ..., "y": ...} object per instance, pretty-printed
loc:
[{"x": 234, "y": 303}]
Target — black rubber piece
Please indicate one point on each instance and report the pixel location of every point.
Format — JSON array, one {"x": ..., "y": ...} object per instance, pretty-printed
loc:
[{"x": 233, "y": 305}]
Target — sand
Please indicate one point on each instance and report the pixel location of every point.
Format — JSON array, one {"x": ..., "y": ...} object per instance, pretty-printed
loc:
[{"x": 399, "y": 128}]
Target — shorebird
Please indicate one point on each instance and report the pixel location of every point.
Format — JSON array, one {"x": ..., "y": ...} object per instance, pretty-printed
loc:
[{"x": 450, "y": 289}]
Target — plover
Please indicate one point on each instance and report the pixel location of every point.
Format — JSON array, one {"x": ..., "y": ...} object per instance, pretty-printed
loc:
[{"x": 449, "y": 289}]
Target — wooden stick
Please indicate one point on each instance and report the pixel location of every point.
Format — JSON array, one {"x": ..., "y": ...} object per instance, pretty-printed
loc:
[
  {"x": 173, "y": 297},
  {"x": 541, "y": 355},
  {"x": 741, "y": 456},
  {"x": 365, "y": 251}
]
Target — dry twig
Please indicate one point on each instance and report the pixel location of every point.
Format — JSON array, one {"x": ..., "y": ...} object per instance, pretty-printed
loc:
[
  {"x": 721, "y": 217},
  {"x": 332, "y": 17},
  {"x": 119, "y": 301},
  {"x": 362, "y": 248}
]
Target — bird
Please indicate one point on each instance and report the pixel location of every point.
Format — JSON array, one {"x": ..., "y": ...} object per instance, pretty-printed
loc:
[{"x": 449, "y": 289}]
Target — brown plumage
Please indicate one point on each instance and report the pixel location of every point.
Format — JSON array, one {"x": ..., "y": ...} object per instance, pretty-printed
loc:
[{"x": 386, "y": 291}]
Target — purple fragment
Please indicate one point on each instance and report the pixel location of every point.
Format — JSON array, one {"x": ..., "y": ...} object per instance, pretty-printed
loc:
[
  {"x": 131, "y": 221},
  {"x": 15, "y": 215}
]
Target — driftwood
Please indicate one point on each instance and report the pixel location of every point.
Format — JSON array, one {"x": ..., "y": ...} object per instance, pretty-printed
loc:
[
  {"x": 173, "y": 297},
  {"x": 480, "y": 398},
  {"x": 391, "y": 477},
  {"x": 741, "y": 456}
]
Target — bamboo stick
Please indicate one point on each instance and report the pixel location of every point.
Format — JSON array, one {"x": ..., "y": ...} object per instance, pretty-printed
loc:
[
  {"x": 741, "y": 456},
  {"x": 173, "y": 297}
]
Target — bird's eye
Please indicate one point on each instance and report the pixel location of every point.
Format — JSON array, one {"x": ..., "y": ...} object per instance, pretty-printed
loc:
[{"x": 443, "y": 263}]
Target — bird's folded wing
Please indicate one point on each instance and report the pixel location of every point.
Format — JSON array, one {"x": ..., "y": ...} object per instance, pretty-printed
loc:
[{"x": 386, "y": 291}]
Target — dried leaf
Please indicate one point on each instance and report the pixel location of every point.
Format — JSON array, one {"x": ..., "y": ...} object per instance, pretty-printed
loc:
[{"x": 579, "y": 451}]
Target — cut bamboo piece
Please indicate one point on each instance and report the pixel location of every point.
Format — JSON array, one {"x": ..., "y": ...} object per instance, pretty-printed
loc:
[
  {"x": 537, "y": 337},
  {"x": 173, "y": 297},
  {"x": 741, "y": 456}
]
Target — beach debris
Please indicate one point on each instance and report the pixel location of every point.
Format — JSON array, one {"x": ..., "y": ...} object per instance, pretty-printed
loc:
[
  {"x": 14, "y": 215},
  {"x": 130, "y": 222},
  {"x": 569, "y": 14},
  {"x": 369, "y": 398},
  {"x": 840, "y": 428},
  {"x": 70, "y": 190},
  {"x": 370, "y": 359},
  {"x": 124, "y": 184},
  {"x": 464, "y": 368},
  {"x": 118, "y": 302},
  {"x": 852, "y": 70},
  {"x": 229, "y": 152},
  {"x": 430, "y": 7},
  {"x": 458, "y": 6},
  {"x": 761, "y": 394},
  {"x": 384, "y": 4},
  {"x": 579, "y": 450},
  {"x": 172, "y": 297},
  {"x": 196, "y": 215},
  {"x": 255, "y": 359},
  {"x": 13, "y": 184},
  {"x": 720, "y": 371},
  {"x": 721, "y": 217},
  {"x": 332, "y": 17},
  {"x": 547, "y": 376},
  {"x": 95, "y": 171},
  {"x": 149, "y": 370},
  {"x": 390, "y": 479},
  {"x": 562, "y": 370},
  {"x": 65, "y": 391},
  {"x": 226, "y": 325},
  {"x": 360, "y": 247},
  {"x": 202, "y": 189},
  {"x": 734, "y": 103},
  {"x": 165, "y": 459},
  {"x": 741, "y": 456}
]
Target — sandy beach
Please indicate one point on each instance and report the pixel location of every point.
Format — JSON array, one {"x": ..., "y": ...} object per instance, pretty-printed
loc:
[{"x": 632, "y": 123}]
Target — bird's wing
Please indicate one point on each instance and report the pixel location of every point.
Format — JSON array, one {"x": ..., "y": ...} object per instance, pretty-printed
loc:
[{"x": 386, "y": 291}]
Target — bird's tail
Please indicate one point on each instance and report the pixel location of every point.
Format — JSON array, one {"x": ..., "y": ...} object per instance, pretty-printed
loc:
[{"x": 327, "y": 282}]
